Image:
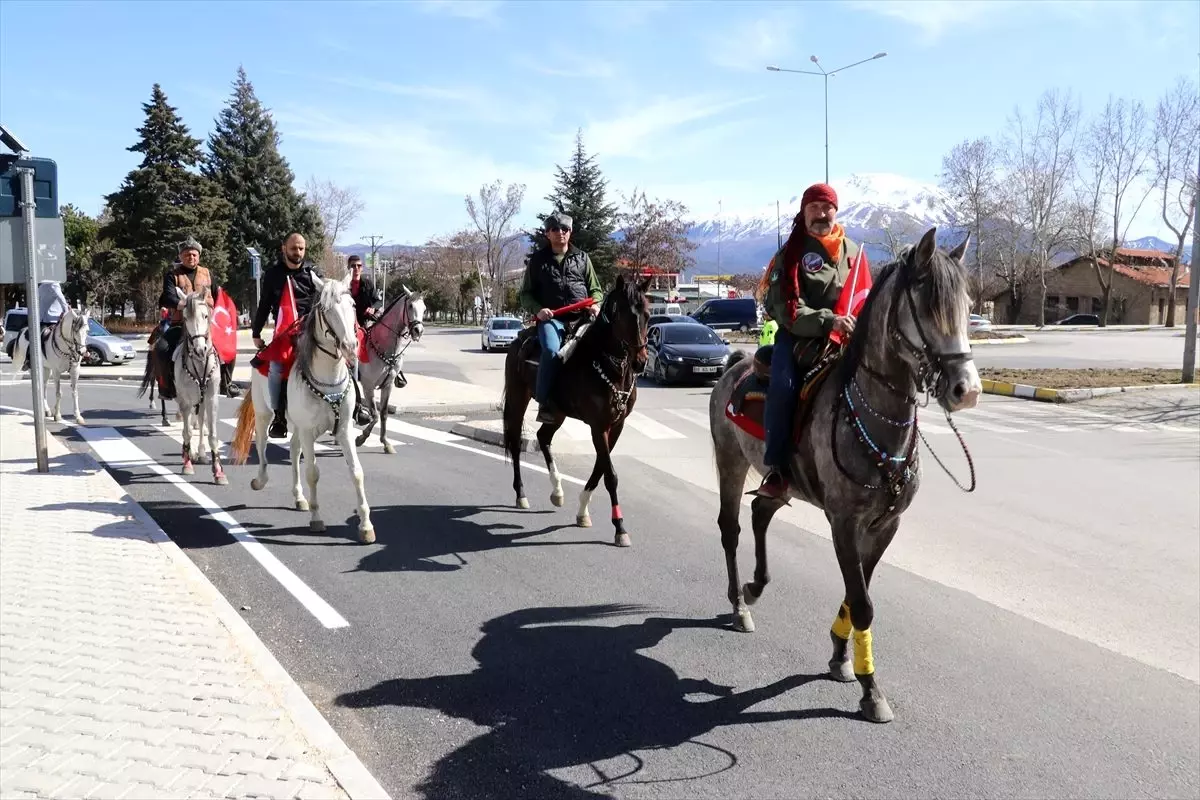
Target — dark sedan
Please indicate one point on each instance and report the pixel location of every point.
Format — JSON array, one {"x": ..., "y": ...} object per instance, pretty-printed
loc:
[{"x": 685, "y": 351}]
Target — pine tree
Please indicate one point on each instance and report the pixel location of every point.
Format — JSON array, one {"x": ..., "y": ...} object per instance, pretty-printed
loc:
[
  {"x": 245, "y": 162},
  {"x": 579, "y": 191},
  {"x": 164, "y": 201}
]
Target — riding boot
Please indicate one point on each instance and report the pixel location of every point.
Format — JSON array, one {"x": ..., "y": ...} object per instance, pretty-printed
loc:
[
  {"x": 279, "y": 428},
  {"x": 363, "y": 414},
  {"x": 400, "y": 381},
  {"x": 775, "y": 486}
]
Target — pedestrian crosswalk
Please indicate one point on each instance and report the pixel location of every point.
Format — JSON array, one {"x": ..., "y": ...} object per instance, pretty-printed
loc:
[{"x": 1009, "y": 418}]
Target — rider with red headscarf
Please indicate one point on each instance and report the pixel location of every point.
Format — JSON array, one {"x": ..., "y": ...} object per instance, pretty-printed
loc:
[{"x": 804, "y": 281}]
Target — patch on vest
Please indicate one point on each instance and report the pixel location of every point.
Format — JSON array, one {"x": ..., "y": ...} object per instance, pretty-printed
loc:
[{"x": 812, "y": 262}]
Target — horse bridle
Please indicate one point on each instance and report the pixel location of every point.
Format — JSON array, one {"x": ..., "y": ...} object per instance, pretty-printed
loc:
[
  {"x": 75, "y": 353},
  {"x": 412, "y": 331},
  {"x": 932, "y": 365},
  {"x": 631, "y": 349},
  {"x": 201, "y": 382}
]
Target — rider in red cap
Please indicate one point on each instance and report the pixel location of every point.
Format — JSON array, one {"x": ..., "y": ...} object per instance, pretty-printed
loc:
[{"x": 805, "y": 279}]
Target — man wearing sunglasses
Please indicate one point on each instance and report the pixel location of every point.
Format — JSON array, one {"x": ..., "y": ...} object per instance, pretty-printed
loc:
[{"x": 556, "y": 276}]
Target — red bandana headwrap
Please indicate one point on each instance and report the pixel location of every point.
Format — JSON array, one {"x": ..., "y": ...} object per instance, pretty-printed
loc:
[{"x": 819, "y": 192}]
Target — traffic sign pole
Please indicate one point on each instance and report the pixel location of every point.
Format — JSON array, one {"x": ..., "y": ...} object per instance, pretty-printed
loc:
[{"x": 33, "y": 327}]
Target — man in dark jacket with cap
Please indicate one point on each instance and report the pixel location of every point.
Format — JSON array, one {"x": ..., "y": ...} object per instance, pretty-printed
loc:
[
  {"x": 556, "y": 276},
  {"x": 185, "y": 277},
  {"x": 805, "y": 280}
]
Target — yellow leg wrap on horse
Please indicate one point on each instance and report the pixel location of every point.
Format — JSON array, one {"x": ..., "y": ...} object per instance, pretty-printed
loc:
[
  {"x": 864, "y": 658},
  {"x": 841, "y": 623}
]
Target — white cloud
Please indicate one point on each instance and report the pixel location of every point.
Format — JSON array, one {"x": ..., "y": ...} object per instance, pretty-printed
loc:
[
  {"x": 478, "y": 10},
  {"x": 564, "y": 63},
  {"x": 639, "y": 133},
  {"x": 623, "y": 15},
  {"x": 751, "y": 45},
  {"x": 934, "y": 18}
]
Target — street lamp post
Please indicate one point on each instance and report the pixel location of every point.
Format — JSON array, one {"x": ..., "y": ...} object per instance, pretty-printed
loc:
[{"x": 826, "y": 75}]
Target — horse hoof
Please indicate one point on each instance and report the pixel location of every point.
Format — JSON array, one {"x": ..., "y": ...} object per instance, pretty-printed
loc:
[
  {"x": 748, "y": 594},
  {"x": 80, "y": 421},
  {"x": 556, "y": 500},
  {"x": 841, "y": 671},
  {"x": 389, "y": 448},
  {"x": 358, "y": 442},
  {"x": 522, "y": 502},
  {"x": 188, "y": 469},
  {"x": 743, "y": 622},
  {"x": 316, "y": 526},
  {"x": 366, "y": 535},
  {"x": 257, "y": 485},
  {"x": 622, "y": 540},
  {"x": 221, "y": 480},
  {"x": 302, "y": 505},
  {"x": 584, "y": 522},
  {"x": 876, "y": 709}
]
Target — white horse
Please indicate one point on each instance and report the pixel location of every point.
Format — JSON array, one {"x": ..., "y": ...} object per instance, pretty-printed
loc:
[
  {"x": 320, "y": 399},
  {"x": 197, "y": 379},
  {"x": 402, "y": 322},
  {"x": 63, "y": 346}
]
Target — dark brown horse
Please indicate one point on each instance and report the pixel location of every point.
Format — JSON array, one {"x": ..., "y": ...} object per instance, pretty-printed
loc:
[{"x": 597, "y": 385}]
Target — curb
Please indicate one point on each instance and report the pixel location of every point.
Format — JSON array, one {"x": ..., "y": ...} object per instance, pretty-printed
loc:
[
  {"x": 1013, "y": 340},
  {"x": 1067, "y": 395},
  {"x": 345, "y": 766},
  {"x": 488, "y": 436}
]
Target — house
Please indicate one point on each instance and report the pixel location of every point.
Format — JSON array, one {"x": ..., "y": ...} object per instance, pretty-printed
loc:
[{"x": 1140, "y": 290}]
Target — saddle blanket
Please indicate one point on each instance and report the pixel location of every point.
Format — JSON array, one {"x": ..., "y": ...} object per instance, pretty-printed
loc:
[
  {"x": 282, "y": 349},
  {"x": 748, "y": 404}
]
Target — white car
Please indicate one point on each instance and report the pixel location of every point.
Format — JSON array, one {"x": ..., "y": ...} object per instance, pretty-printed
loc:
[
  {"x": 498, "y": 333},
  {"x": 978, "y": 323}
]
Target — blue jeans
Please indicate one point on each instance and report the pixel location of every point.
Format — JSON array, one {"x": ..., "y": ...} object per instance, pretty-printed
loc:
[
  {"x": 275, "y": 383},
  {"x": 550, "y": 338},
  {"x": 782, "y": 394}
]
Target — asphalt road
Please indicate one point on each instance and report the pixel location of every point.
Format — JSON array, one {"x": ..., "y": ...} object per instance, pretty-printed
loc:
[
  {"x": 496, "y": 653},
  {"x": 1080, "y": 349}
]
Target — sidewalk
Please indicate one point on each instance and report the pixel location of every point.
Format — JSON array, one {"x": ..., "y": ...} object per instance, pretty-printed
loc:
[{"x": 123, "y": 671}]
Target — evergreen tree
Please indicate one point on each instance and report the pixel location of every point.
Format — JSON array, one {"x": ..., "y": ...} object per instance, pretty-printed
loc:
[
  {"x": 579, "y": 191},
  {"x": 245, "y": 162},
  {"x": 162, "y": 202}
]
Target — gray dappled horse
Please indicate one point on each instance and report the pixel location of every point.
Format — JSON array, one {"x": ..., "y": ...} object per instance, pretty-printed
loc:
[
  {"x": 856, "y": 458},
  {"x": 401, "y": 323}
]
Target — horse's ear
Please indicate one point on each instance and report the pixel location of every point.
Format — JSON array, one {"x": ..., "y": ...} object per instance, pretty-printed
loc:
[
  {"x": 958, "y": 253},
  {"x": 926, "y": 247},
  {"x": 318, "y": 282},
  {"x": 620, "y": 282},
  {"x": 405, "y": 289},
  {"x": 644, "y": 284}
]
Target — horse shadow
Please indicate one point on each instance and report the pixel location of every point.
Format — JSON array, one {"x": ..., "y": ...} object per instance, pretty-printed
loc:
[
  {"x": 557, "y": 694},
  {"x": 431, "y": 538}
]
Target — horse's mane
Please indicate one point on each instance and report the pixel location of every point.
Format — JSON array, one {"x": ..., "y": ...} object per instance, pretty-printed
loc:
[
  {"x": 941, "y": 290},
  {"x": 629, "y": 292},
  {"x": 306, "y": 342}
]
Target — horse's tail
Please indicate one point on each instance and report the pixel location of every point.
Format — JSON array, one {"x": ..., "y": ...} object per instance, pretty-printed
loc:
[
  {"x": 19, "y": 353},
  {"x": 239, "y": 448},
  {"x": 148, "y": 373}
]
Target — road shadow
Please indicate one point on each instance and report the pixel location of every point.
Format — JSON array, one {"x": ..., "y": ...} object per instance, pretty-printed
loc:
[
  {"x": 557, "y": 692},
  {"x": 438, "y": 538}
]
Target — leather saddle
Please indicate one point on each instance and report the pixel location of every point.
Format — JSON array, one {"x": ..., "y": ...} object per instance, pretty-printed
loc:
[{"x": 748, "y": 403}]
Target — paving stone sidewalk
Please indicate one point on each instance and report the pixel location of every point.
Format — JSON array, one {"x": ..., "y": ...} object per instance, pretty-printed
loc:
[{"x": 123, "y": 672}]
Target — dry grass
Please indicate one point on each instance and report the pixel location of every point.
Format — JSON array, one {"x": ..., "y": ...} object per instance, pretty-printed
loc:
[{"x": 1081, "y": 378}]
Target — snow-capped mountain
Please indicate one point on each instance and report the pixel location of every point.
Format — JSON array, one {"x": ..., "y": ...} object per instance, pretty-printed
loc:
[{"x": 868, "y": 203}]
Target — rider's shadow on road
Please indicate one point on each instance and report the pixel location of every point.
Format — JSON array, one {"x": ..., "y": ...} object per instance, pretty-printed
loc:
[
  {"x": 438, "y": 538},
  {"x": 556, "y": 694}
]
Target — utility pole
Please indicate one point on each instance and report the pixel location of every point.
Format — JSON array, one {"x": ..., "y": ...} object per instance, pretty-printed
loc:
[
  {"x": 1193, "y": 307},
  {"x": 33, "y": 327},
  {"x": 778, "y": 228},
  {"x": 720, "y": 210},
  {"x": 374, "y": 257}
]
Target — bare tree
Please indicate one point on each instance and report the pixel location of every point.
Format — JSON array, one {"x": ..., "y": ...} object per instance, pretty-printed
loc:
[
  {"x": 492, "y": 213},
  {"x": 456, "y": 261},
  {"x": 969, "y": 176},
  {"x": 339, "y": 207},
  {"x": 1039, "y": 162},
  {"x": 1008, "y": 257},
  {"x": 1176, "y": 146},
  {"x": 654, "y": 234},
  {"x": 1119, "y": 140}
]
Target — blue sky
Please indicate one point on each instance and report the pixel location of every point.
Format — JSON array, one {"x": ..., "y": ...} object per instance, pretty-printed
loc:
[{"x": 419, "y": 103}]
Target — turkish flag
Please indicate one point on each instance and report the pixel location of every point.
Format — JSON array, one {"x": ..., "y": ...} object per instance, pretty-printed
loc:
[
  {"x": 224, "y": 327},
  {"x": 854, "y": 293}
]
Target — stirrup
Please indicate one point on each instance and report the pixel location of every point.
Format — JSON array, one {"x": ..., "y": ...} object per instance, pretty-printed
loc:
[{"x": 761, "y": 491}]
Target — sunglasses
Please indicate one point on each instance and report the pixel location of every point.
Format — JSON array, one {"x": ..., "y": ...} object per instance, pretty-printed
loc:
[{"x": 559, "y": 229}]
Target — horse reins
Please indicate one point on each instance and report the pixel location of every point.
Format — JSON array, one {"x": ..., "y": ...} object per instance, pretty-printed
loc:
[
  {"x": 332, "y": 399},
  {"x": 75, "y": 354}
]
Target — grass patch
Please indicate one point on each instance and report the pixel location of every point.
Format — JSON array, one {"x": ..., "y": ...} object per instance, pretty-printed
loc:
[
  {"x": 1082, "y": 378},
  {"x": 978, "y": 335}
]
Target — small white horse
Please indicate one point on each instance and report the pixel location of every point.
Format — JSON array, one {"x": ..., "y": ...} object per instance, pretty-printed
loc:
[
  {"x": 197, "y": 379},
  {"x": 320, "y": 399},
  {"x": 63, "y": 346},
  {"x": 402, "y": 322}
]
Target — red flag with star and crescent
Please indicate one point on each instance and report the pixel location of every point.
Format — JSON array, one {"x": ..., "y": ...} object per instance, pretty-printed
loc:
[
  {"x": 854, "y": 292},
  {"x": 224, "y": 327}
]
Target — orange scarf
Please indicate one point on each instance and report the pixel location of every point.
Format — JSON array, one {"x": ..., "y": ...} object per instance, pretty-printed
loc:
[{"x": 833, "y": 241}]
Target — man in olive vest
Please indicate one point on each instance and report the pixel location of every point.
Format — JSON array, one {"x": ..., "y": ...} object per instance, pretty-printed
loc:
[
  {"x": 555, "y": 276},
  {"x": 185, "y": 277},
  {"x": 806, "y": 279}
]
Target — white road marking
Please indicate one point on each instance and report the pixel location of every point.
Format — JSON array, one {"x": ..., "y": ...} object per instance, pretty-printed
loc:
[
  {"x": 651, "y": 428},
  {"x": 118, "y": 452},
  {"x": 691, "y": 415},
  {"x": 453, "y": 439}
]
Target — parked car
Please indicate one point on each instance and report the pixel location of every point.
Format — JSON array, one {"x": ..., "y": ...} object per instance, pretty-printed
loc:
[
  {"x": 102, "y": 346},
  {"x": 685, "y": 351},
  {"x": 669, "y": 309},
  {"x": 658, "y": 319},
  {"x": 498, "y": 333},
  {"x": 978, "y": 322},
  {"x": 734, "y": 314},
  {"x": 1080, "y": 319}
]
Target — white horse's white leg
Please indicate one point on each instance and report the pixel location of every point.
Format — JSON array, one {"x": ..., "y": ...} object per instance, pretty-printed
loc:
[
  {"x": 213, "y": 443},
  {"x": 385, "y": 396},
  {"x": 366, "y": 531},
  {"x": 262, "y": 421},
  {"x": 57, "y": 415},
  {"x": 556, "y": 492},
  {"x": 185, "y": 410},
  {"x": 583, "y": 519},
  {"x": 308, "y": 442},
  {"x": 79, "y": 420}
]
